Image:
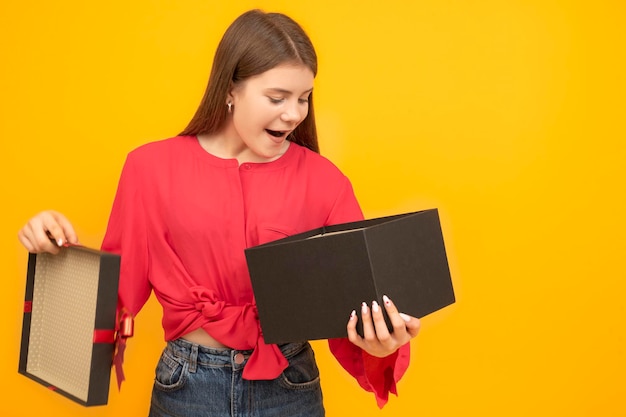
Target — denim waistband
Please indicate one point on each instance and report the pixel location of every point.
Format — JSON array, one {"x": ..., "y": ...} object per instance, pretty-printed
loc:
[{"x": 206, "y": 356}]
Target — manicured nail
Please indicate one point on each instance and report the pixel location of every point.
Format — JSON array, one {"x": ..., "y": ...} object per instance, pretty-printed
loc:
[
  {"x": 364, "y": 308},
  {"x": 386, "y": 300},
  {"x": 353, "y": 315},
  {"x": 405, "y": 317},
  {"x": 59, "y": 242},
  {"x": 375, "y": 307}
]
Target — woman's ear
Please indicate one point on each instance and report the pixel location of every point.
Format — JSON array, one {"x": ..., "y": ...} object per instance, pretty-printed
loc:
[{"x": 231, "y": 92}]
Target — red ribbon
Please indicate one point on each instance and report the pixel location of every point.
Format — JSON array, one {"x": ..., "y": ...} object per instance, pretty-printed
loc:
[
  {"x": 28, "y": 306},
  {"x": 118, "y": 361},
  {"x": 104, "y": 336},
  {"x": 124, "y": 331}
]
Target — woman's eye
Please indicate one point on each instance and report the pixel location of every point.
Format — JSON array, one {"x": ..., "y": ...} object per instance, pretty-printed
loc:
[
  {"x": 303, "y": 100},
  {"x": 275, "y": 100}
]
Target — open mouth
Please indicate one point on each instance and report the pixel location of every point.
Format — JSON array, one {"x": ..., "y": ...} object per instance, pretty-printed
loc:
[{"x": 276, "y": 133}]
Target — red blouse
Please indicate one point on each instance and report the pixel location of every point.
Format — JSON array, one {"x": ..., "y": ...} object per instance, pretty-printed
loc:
[{"x": 181, "y": 220}]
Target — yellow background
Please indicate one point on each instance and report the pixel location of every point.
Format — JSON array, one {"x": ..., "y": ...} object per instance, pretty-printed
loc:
[{"x": 506, "y": 115}]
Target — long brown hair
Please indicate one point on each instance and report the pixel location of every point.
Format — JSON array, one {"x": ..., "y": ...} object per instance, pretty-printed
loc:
[{"x": 254, "y": 43}]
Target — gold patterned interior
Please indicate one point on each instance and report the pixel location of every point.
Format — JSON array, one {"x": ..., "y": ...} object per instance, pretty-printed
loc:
[{"x": 62, "y": 322}]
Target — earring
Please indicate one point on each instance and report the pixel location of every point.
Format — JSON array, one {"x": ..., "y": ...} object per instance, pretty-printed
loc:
[{"x": 230, "y": 107}]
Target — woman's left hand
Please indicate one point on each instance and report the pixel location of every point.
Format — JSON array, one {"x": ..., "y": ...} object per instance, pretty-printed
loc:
[{"x": 377, "y": 340}]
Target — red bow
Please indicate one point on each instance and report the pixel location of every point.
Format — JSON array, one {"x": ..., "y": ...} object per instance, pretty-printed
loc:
[{"x": 124, "y": 331}]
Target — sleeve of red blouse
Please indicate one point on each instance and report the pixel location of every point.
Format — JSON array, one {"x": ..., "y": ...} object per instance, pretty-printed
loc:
[
  {"x": 126, "y": 235},
  {"x": 377, "y": 375}
]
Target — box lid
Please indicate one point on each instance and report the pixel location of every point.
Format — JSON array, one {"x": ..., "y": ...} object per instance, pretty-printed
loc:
[{"x": 70, "y": 306}]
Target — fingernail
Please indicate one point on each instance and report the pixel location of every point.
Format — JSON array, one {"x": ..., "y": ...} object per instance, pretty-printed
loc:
[
  {"x": 364, "y": 308},
  {"x": 386, "y": 300},
  {"x": 59, "y": 242},
  {"x": 405, "y": 317},
  {"x": 353, "y": 315},
  {"x": 375, "y": 307}
]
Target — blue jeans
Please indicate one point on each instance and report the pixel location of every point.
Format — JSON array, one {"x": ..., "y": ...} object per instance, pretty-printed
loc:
[{"x": 196, "y": 381}]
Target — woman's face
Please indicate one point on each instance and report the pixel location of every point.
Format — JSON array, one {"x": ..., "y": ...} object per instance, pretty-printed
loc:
[{"x": 268, "y": 107}]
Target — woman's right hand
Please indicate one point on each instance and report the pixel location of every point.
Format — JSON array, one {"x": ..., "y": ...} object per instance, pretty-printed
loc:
[{"x": 48, "y": 231}]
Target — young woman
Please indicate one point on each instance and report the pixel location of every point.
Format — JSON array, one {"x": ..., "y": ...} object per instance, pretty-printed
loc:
[{"x": 244, "y": 172}]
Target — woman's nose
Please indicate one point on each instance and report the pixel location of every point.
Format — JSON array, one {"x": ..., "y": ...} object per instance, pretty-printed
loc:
[{"x": 293, "y": 113}]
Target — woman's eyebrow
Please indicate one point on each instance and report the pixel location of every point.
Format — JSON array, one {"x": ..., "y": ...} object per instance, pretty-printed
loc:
[{"x": 284, "y": 91}]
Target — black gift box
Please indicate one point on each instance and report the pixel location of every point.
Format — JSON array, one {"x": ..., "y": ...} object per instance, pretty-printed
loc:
[
  {"x": 306, "y": 285},
  {"x": 68, "y": 332}
]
